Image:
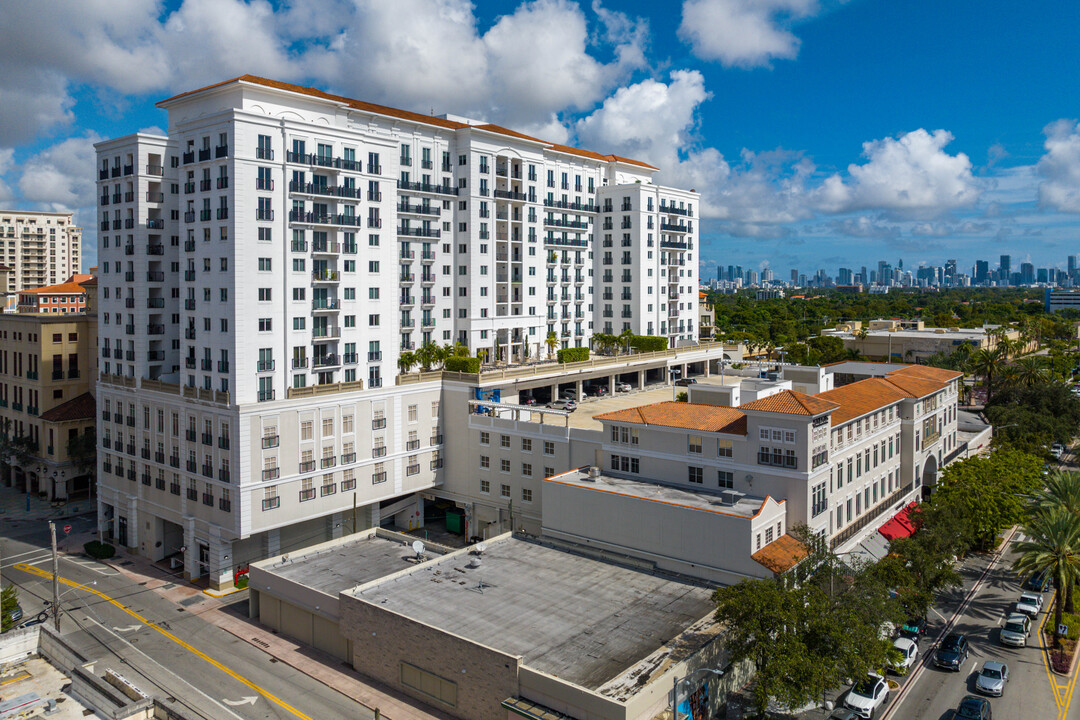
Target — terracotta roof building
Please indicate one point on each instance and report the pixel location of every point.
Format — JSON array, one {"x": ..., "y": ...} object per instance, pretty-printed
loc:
[{"x": 67, "y": 297}]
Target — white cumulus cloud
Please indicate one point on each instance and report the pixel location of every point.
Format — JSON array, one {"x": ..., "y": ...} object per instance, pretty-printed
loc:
[
  {"x": 61, "y": 177},
  {"x": 1059, "y": 168},
  {"x": 743, "y": 33},
  {"x": 910, "y": 175}
]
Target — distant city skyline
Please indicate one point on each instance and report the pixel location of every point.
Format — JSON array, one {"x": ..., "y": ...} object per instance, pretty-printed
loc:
[{"x": 1005, "y": 270}]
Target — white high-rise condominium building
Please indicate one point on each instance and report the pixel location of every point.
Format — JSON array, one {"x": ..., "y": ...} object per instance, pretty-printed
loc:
[
  {"x": 41, "y": 248},
  {"x": 264, "y": 266}
]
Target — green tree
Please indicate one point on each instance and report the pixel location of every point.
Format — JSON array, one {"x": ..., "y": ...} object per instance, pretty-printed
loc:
[
  {"x": 1052, "y": 546},
  {"x": 986, "y": 362},
  {"x": 406, "y": 361},
  {"x": 765, "y": 622},
  {"x": 9, "y": 600},
  {"x": 1062, "y": 490},
  {"x": 984, "y": 494},
  {"x": 552, "y": 342}
]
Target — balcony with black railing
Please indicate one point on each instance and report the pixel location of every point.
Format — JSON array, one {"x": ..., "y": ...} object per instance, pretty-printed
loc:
[{"x": 427, "y": 187}]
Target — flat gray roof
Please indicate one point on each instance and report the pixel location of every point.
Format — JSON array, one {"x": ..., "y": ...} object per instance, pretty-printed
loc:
[
  {"x": 573, "y": 617},
  {"x": 745, "y": 505},
  {"x": 347, "y": 565}
]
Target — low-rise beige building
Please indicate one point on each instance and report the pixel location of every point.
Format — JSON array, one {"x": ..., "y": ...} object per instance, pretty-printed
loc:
[
  {"x": 912, "y": 341},
  {"x": 47, "y": 367},
  {"x": 517, "y": 627}
]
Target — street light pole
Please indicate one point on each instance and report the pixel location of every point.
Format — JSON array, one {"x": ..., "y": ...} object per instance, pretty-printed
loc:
[{"x": 55, "y": 577}]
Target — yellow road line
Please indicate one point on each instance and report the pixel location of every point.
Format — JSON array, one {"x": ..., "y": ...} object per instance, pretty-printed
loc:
[
  {"x": 194, "y": 651},
  {"x": 1063, "y": 692}
]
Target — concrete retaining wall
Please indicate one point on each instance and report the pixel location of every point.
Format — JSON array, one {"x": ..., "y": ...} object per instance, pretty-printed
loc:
[{"x": 17, "y": 645}]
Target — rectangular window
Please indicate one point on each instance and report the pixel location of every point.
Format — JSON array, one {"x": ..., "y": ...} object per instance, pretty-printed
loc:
[
  {"x": 694, "y": 475},
  {"x": 549, "y": 447},
  {"x": 693, "y": 444},
  {"x": 725, "y": 479},
  {"x": 724, "y": 448}
]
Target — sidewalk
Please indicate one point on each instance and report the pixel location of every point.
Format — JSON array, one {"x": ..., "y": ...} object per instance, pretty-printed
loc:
[
  {"x": 317, "y": 665},
  {"x": 13, "y": 507}
]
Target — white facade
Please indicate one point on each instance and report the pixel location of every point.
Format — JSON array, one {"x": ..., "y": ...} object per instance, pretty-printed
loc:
[
  {"x": 279, "y": 249},
  {"x": 41, "y": 248}
]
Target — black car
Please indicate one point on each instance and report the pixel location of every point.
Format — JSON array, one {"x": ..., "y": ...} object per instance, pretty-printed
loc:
[
  {"x": 952, "y": 653},
  {"x": 684, "y": 382},
  {"x": 973, "y": 708}
]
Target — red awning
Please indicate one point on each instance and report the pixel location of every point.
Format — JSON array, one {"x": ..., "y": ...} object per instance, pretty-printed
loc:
[{"x": 900, "y": 525}]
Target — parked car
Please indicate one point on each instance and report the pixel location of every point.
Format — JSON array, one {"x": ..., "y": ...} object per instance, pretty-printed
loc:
[
  {"x": 866, "y": 696},
  {"x": 527, "y": 400},
  {"x": 1039, "y": 582},
  {"x": 1015, "y": 631},
  {"x": 568, "y": 405},
  {"x": 15, "y": 614},
  {"x": 913, "y": 628},
  {"x": 973, "y": 708},
  {"x": 622, "y": 387},
  {"x": 684, "y": 382},
  {"x": 908, "y": 650},
  {"x": 952, "y": 653},
  {"x": 570, "y": 395},
  {"x": 1029, "y": 604},
  {"x": 992, "y": 678}
]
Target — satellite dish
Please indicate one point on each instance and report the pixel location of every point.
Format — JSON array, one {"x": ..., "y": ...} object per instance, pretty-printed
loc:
[
  {"x": 481, "y": 548},
  {"x": 418, "y": 547}
]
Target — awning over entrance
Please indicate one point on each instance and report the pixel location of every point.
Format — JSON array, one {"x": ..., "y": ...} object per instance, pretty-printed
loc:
[{"x": 900, "y": 525}]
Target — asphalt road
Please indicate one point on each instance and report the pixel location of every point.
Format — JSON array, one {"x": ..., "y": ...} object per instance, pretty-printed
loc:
[
  {"x": 1030, "y": 692},
  {"x": 164, "y": 648}
]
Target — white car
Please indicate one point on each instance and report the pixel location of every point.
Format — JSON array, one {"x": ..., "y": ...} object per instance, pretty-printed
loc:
[
  {"x": 1015, "y": 631},
  {"x": 622, "y": 387},
  {"x": 1029, "y": 604},
  {"x": 909, "y": 651},
  {"x": 867, "y": 696}
]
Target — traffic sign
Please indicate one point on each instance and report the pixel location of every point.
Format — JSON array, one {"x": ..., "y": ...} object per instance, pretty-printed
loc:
[
  {"x": 67, "y": 528},
  {"x": 1063, "y": 629}
]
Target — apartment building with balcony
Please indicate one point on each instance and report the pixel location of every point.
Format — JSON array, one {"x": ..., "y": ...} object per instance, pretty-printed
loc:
[
  {"x": 262, "y": 268},
  {"x": 40, "y": 248},
  {"x": 47, "y": 373},
  {"x": 672, "y": 478}
]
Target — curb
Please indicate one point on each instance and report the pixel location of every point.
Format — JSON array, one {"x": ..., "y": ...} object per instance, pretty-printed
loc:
[{"x": 1047, "y": 651}]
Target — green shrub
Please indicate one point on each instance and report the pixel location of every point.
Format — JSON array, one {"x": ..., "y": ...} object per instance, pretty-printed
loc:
[
  {"x": 574, "y": 354},
  {"x": 99, "y": 550},
  {"x": 648, "y": 343},
  {"x": 241, "y": 582},
  {"x": 682, "y": 397},
  {"x": 462, "y": 364}
]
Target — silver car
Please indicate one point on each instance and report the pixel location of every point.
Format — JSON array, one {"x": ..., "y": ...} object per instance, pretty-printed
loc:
[
  {"x": 992, "y": 678},
  {"x": 1015, "y": 631}
]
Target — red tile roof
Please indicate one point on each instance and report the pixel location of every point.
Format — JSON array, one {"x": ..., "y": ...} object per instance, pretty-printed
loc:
[
  {"x": 790, "y": 402},
  {"x": 68, "y": 288},
  {"x": 404, "y": 115},
  {"x": 690, "y": 416},
  {"x": 928, "y": 373},
  {"x": 81, "y": 407},
  {"x": 862, "y": 397},
  {"x": 781, "y": 555},
  {"x": 916, "y": 387}
]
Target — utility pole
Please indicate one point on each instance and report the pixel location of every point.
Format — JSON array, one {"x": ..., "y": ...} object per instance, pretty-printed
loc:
[{"x": 55, "y": 578}]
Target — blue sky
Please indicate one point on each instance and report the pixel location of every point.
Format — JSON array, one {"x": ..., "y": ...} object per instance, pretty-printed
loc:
[{"x": 820, "y": 133}]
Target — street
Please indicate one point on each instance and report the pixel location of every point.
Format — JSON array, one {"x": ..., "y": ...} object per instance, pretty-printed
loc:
[
  {"x": 1030, "y": 692},
  {"x": 166, "y": 648}
]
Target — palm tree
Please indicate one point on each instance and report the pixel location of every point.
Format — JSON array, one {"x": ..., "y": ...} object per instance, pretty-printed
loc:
[
  {"x": 1030, "y": 371},
  {"x": 985, "y": 362},
  {"x": 1053, "y": 546},
  {"x": 1062, "y": 490},
  {"x": 405, "y": 361},
  {"x": 552, "y": 342},
  {"x": 427, "y": 355}
]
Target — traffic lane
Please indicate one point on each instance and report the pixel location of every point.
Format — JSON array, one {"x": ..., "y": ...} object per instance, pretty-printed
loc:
[
  {"x": 302, "y": 696},
  {"x": 1028, "y": 693}
]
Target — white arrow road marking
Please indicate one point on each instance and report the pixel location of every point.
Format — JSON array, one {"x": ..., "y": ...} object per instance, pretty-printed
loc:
[
  {"x": 129, "y": 628},
  {"x": 246, "y": 700}
]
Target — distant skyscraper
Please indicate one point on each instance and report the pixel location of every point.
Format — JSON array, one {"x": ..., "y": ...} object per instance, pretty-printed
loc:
[
  {"x": 1072, "y": 265},
  {"x": 1005, "y": 265},
  {"x": 982, "y": 270},
  {"x": 950, "y": 267},
  {"x": 1027, "y": 273},
  {"x": 794, "y": 276}
]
